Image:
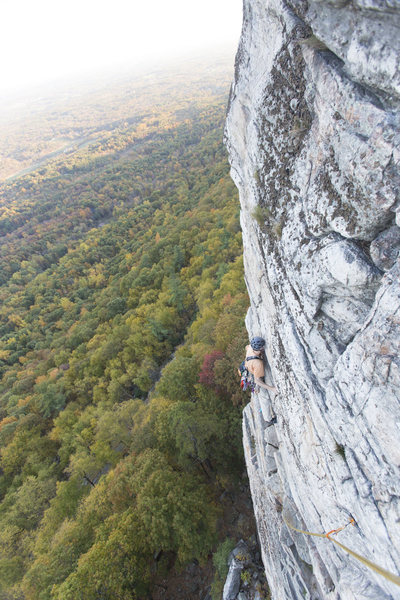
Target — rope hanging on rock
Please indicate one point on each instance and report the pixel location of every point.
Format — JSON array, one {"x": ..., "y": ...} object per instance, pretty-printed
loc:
[{"x": 371, "y": 565}]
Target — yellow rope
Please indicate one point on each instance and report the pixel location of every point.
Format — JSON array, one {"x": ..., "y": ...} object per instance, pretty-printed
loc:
[{"x": 393, "y": 578}]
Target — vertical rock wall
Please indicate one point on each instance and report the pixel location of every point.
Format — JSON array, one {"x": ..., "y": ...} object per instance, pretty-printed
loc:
[{"x": 313, "y": 137}]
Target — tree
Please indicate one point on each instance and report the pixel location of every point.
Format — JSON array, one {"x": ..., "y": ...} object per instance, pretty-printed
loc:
[
  {"x": 179, "y": 378},
  {"x": 116, "y": 566},
  {"x": 174, "y": 508},
  {"x": 206, "y": 375},
  {"x": 49, "y": 397}
]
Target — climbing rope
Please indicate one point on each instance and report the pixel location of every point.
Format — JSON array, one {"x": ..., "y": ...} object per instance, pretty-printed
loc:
[{"x": 368, "y": 563}]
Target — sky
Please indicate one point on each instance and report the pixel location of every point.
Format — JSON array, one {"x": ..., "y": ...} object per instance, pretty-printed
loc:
[{"x": 45, "y": 40}]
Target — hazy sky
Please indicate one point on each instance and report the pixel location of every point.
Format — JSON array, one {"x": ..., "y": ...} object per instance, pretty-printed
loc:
[{"x": 44, "y": 39}]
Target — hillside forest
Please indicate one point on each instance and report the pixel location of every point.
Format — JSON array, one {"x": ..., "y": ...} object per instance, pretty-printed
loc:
[{"x": 122, "y": 309}]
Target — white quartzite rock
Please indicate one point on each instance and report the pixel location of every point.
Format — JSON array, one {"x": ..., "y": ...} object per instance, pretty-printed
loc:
[{"x": 313, "y": 135}]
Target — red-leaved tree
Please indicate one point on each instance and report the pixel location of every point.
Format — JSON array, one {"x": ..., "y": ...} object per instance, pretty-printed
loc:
[{"x": 207, "y": 376}]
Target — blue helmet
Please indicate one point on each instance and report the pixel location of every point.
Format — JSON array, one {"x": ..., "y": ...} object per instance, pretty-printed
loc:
[{"x": 257, "y": 343}]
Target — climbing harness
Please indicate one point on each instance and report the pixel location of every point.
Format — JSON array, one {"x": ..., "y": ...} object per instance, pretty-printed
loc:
[
  {"x": 247, "y": 378},
  {"x": 368, "y": 563}
]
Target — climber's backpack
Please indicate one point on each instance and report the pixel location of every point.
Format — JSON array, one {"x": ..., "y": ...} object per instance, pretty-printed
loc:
[{"x": 246, "y": 378}]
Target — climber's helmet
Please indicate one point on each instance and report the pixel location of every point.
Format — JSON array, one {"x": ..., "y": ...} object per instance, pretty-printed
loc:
[{"x": 257, "y": 343}]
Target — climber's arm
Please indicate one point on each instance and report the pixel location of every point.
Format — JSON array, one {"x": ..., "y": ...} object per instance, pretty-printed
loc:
[
  {"x": 264, "y": 385},
  {"x": 259, "y": 372}
]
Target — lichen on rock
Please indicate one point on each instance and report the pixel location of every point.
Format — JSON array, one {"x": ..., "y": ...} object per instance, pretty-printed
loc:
[{"x": 313, "y": 136}]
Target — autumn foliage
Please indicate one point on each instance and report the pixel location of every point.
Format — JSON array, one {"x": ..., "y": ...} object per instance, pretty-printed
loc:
[
  {"x": 122, "y": 309},
  {"x": 207, "y": 376}
]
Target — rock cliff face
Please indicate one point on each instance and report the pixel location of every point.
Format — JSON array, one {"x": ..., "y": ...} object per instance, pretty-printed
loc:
[{"x": 313, "y": 135}]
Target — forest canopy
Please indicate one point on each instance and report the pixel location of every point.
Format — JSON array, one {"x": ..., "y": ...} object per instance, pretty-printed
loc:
[{"x": 121, "y": 324}]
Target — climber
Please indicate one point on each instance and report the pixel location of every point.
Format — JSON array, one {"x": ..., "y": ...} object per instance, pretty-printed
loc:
[{"x": 255, "y": 365}]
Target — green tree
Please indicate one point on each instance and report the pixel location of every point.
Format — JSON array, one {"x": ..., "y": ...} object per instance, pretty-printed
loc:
[{"x": 179, "y": 378}]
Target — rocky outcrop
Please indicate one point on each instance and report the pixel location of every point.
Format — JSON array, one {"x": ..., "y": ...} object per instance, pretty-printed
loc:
[
  {"x": 313, "y": 136},
  {"x": 237, "y": 561},
  {"x": 245, "y": 579}
]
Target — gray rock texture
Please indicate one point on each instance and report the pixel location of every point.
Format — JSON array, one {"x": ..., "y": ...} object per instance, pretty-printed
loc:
[
  {"x": 238, "y": 559},
  {"x": 313, "y": 136},
  {"x": 246, "y": 578}
]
